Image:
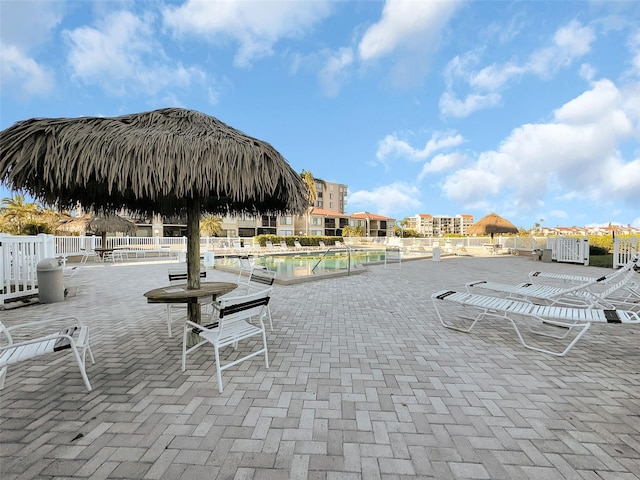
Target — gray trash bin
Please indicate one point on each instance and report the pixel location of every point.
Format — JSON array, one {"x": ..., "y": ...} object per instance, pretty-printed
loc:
[
  {"x": 436, "y": 254},
  {"x": 50, "y": 285},
  {"x": 546, "y": 255}
]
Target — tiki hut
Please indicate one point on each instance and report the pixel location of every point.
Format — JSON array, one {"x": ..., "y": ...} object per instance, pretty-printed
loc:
[
  {"x": 98, "y": 224},
  {"x": 168, "y": 161},
  {"x": 490, "y": 225}
]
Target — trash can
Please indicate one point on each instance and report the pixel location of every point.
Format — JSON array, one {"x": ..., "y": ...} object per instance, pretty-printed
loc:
[
  {"x": 546, "y": 255},
  {"x": 435, "y": 256},
  {"x": 50, "y": 285},
  {"x": 209, "y": 260}
]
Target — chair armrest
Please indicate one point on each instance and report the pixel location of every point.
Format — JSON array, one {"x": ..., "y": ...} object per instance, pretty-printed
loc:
[
  {"x": 41, "y": 323},
  {"x": 66, "y": 335}
]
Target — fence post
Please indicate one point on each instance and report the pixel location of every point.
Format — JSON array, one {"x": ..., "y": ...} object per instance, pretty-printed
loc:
[{"x": 585, "y": 250}]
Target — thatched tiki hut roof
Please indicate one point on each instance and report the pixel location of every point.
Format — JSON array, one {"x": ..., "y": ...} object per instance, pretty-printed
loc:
[
  {"x": 167, "y": 161},
  {"x": 99, "y": 224},
  {"x": 492, "y": 224}
]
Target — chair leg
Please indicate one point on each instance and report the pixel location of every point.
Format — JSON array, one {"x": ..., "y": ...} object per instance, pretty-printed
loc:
[
  {"x": 218, "y": 369},
  {"x": 81, "y": 366},
  {"x": 266, "y": 351},
  {"x": 169, "y": 319}
]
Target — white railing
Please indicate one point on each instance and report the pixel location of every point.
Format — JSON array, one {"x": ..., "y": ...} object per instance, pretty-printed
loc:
[
  {"x": 624, "y": 249},
  {"x": 19, "y": 258},
  {"x": 569, "y": 250}
]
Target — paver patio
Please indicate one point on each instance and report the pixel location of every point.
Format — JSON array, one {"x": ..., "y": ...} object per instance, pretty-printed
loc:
[{"x": 364, "y": 383}]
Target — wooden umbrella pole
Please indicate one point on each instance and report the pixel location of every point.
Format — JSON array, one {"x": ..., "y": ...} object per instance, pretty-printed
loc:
[{"x": 193, "y": 254}]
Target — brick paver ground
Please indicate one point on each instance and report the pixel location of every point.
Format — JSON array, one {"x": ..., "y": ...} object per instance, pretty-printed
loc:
[{"x": 364, "y": 383}]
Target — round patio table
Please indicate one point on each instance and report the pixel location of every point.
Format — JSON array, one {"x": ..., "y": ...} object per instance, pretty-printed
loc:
[{"x": 181, "y": 294}]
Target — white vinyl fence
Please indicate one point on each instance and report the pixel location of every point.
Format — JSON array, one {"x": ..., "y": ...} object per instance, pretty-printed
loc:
[
  {"x": 19, "y": 258},
  {"x": 624, "y": 249},
  {"x": 569, "y": 250}
]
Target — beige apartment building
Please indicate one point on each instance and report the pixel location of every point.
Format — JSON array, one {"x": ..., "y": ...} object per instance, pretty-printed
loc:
[
  {"x": 439, "y": 225},
  {"x": 327, "y": 217}
]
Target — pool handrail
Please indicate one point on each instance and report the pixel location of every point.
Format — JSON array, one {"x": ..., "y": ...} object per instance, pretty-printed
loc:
[{"x": 341, "y": 247}]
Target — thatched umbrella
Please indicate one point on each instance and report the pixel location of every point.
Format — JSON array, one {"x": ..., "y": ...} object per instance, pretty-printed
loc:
[
  {"x": 490, "y": 225},
  {"x": 168, "y": 161},
  {"x": 99, "y": 224}
]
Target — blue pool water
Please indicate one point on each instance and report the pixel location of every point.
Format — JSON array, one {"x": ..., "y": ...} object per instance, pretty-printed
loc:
[{"x": 302, "y": 265}]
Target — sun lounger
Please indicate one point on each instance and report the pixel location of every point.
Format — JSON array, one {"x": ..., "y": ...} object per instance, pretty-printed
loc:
[
  {"x": 570, "y": 320},
  {"x": 566, "y": 278},
  {"x": 616, "y": 295}
]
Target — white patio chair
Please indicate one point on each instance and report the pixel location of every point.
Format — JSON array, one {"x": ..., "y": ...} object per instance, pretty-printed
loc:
[
  {"x": 260, "y": 279},
  {"x": 37, "y": 342},
  {"x": 231, "y": 323},
  {"x": 549, "y": 317},
  {"x": 178, "y": 275}
]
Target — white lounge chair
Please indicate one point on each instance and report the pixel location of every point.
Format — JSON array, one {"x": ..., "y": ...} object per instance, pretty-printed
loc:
[
  {"x": 568, "y": 278},
  {"x": 575, "y": 295},
  {"x": 548, "y": 317},
  {"x": 38, "y": 341},
  {"x": 231, "y": 324}
]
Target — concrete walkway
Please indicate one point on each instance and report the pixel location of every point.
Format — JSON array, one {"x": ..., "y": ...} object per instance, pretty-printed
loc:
[{"x": 364, "y": 383}]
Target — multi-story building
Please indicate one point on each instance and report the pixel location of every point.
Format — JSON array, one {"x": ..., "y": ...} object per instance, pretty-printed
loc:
[
  {"x": 439, "y": 225},
  {"x": 326, "y": 218},
  {"x": 330, "y": 196}
]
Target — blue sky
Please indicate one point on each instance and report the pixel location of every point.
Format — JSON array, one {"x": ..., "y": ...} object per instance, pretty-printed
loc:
[{"x": 527, "y": 109}]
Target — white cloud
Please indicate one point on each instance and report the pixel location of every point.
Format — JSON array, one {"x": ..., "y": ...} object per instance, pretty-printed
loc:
[
  {"x": 121, "y": 56},
  {"x": 21, "y": 30},
  {"x": 442, "y": 163},
  {"x": 255, "y": 26},
  {"x": 391, "y": 146},
  {"x": 634, "y": 48},
  {"x": 334, "y": 71},
  {"x": 387, "y": 200},
  {"x": 569, "y": 43},
  {"x": 406, "y": 24},
  {"x": 577, "y": 153},
  {"x": 23, "y": 74},
  {"x": 453, "y": 107}
]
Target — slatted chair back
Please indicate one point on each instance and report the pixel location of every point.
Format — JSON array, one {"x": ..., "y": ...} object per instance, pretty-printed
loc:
[
  {"x": 180, "y": 275},
  {"x": 261, "y": 278},
  {"x": 234, "y": 309}
]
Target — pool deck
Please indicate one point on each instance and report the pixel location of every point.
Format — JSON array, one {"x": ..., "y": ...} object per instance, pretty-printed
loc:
[{"x": 364, "y": 383}]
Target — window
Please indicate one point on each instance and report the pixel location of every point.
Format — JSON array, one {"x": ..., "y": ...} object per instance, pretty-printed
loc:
[
  {"x": 288, "y": 220},
  {"x": 285, "y": 233},
  {"x": 268, "y": 220},
  {"x": 316, "y": 221}
]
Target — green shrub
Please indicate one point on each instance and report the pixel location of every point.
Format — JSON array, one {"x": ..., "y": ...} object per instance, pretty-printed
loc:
[{"x": 597, "y": 250}]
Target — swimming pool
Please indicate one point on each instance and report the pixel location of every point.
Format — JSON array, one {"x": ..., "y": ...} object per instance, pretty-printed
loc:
[{"x": 308, "y": 266}]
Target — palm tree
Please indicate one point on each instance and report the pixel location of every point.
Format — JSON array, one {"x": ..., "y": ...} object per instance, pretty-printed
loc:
[
  {"x": 211, "y": 225},
  {"x": 310, "y": 182},
  {"x": 17, "y": 214}
]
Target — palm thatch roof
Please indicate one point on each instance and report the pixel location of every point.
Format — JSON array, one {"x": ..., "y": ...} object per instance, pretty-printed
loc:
[
  {"x": 98, "y": 224},
  {"x": 492, "y": 224},
  {"x": 151, "y": 162}
]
